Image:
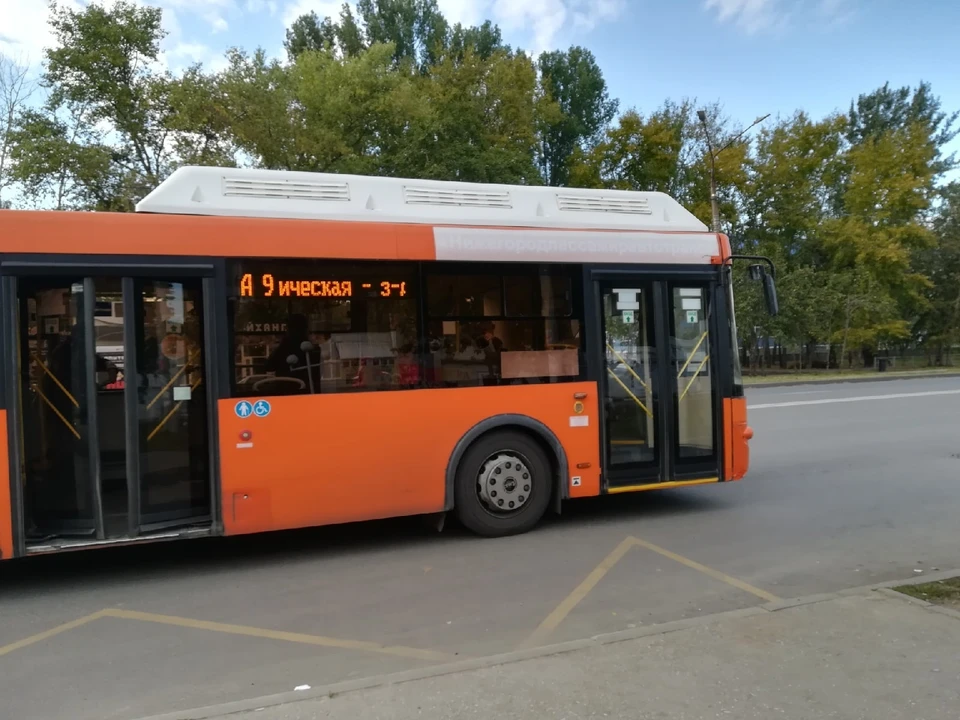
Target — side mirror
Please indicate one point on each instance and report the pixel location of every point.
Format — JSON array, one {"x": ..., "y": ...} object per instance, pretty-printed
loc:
[
  {"x": 770, "y": 294},
  {"x": 759, "y": 273}
]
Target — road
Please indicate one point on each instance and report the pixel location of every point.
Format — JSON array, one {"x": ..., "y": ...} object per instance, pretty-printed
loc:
[{"x": 850, "y": 484}]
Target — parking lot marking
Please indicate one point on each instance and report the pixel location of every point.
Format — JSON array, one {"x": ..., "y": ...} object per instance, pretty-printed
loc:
[
  {"x": 559, "y": 613},
  {"x": 693, "y": 564},
  {"x": 267, "y": 634},
  {"x": 33, "y": 639}
]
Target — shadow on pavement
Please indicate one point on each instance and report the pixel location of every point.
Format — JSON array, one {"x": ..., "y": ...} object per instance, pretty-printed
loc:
[{"x": 105, "y": 565}]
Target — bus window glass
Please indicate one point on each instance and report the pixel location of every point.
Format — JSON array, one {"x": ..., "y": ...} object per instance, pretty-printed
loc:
[
  {"x": 464, "y": 296},
  {"x": 531, "y": 339},
  {"x": 307, "y": 327}
]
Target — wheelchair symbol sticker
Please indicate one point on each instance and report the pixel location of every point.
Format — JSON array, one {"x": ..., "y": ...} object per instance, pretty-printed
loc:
[
  {"x": 261, "y": 408},
  {"x": 243, "y": 409}
]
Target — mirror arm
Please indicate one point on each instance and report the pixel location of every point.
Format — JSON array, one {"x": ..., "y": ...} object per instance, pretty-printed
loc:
[{"x": 761, "y": 258}]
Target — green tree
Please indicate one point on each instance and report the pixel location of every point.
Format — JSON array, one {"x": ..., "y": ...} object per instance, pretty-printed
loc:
[
  {"x": 416, "y": 29},
  {"x": 575, "y": 82},
  {"x": 104, "y": 128},
  {"x": 322, "y": 113},
  {"x": 480, "y": 119},
  {"x": 938, "y": 328},
  {"x": 62, "y": 161},
  {"x": 887, "y": 109},
  {"x": 16, "y": 88},
  {"x": 309, "y": 33}
]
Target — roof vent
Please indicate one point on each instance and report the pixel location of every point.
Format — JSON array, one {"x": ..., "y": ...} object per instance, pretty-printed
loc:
[
  {"x": 600, "y": 203},
  {"x": 286, "y": 189},
  {"x": 457, "y": 198}
]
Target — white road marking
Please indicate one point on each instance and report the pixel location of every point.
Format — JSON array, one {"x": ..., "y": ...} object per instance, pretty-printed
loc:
[
  {"x": 806, "y": 392},
  {"x": 861, "y": 398}
]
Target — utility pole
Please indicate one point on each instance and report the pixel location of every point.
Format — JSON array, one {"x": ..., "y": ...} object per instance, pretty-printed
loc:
[{"x": 714, "y": 203}]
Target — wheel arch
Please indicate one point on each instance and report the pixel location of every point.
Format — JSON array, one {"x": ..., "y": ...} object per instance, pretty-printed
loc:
[{"x": 525, "y": 424}]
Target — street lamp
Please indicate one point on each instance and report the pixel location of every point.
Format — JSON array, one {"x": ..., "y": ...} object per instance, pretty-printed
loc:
[{"x": 714, "y": 205}]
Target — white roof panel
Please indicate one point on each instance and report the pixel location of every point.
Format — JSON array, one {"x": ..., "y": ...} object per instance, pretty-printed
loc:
[{"x": 237, "y": 192}]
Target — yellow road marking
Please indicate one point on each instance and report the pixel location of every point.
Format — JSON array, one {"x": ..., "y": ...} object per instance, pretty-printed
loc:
[
  {"x": 728, "y": 579},
  {"x": 553, "y": 620},
  {"x": 560, "y": 613},
  {"x": 33, "y": 639},
  {"x": 264, "y": 633}
]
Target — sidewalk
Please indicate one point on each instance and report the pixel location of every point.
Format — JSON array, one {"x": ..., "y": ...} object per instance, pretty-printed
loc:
[{"x": 866, "y": 654}]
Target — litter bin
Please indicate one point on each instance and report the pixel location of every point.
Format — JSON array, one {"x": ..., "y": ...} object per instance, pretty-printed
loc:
[{"x": 882, "y": 364}]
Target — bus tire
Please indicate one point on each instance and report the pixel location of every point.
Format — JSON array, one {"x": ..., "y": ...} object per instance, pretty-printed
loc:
[{"x": 503, "y": 484}]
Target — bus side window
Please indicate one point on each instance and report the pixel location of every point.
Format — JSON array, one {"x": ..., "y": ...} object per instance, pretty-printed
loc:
[
  {"x": 486, "y": 329},
  {"x": 324, "y": 326}
]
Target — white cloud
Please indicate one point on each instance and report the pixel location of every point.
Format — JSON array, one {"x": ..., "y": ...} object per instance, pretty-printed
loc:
[
  {"x": 29, "y": 32},
  {"x": 750, "y": 15},
  {"x": 323, "y": 8},
  {"x": 755, "y": 16},
  {"x": 258, "y": 6}
]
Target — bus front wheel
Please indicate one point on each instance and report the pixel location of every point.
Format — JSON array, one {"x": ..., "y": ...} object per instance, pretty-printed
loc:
[{"x": 503, "y": 484}]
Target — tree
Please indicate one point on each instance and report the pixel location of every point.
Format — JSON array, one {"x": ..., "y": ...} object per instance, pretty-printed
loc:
[
  {"x": 16, "y": 88},
  {"x": 574, "y": 80},
  {"x": 309, "y": 33},
  {"x": 104, "y": 127},
  {"x": 887, "y": 109},
  {"x": 938, "y": 328},
  {"x": 416, "y": 29},
  {"x": 480, "y": 119},
  {"x": 63, "y": 162}
]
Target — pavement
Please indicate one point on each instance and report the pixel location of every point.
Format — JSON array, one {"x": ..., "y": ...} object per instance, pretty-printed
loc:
[
  {"x": 851, "y": 485},
  {"x": 859, "y": 655}
]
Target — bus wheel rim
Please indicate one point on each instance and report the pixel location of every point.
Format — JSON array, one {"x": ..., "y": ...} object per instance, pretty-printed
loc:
[{"x": 505, "y": 483}]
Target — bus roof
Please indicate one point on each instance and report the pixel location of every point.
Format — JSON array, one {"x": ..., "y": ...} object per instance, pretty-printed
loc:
[{"x": 235, "y": 192}]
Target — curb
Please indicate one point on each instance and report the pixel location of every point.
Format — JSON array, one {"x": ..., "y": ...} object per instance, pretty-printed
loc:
[
  {"x": 432, "y": 671},
  {"x": 852, "y": 381}
]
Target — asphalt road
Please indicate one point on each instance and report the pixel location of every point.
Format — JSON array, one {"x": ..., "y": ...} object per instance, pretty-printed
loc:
[{"x": 849, "y": 485}]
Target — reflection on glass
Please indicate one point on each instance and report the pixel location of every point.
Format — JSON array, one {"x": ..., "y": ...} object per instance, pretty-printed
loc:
[
  {"x": 531, "y": 338},
  {"x": 692, "y": 369},
  {"x": 174, "y": 472},
  {"x": 111, "y": 412},
  {"x": 304, "y": 345},
  {"x": 630, "y": 368},
  {"x": 58, "y": 496}
]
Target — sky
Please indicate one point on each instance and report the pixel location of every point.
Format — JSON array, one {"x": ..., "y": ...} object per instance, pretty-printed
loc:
[{"x": 753, "y": 56}]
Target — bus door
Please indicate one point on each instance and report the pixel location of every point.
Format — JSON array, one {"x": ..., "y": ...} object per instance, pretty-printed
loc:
[
  {"x": 653, "y": 357},
  {"x": 110, "y": 415}
]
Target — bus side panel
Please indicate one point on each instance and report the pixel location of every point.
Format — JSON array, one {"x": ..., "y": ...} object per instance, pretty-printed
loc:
[
  {"x": 6, "y": 508},
  {"x": 325, "y": 459},
  {"x": 737, "y": 435}
]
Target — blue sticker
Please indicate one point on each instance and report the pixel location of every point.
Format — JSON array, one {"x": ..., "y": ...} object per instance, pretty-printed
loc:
[
  {"x": 243, "y": 409},
  {"x": 261, "y": 408}
]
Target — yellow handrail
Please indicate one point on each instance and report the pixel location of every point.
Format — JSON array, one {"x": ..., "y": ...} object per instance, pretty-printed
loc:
[
  {"x": 171, "y": 413},
  {"x": 627, "y": 366},
  {"x": 692, "y": 353},
  {"x": 695, "y": 376},
  {"x": 629, "y": 392},
  {"x": 176, "y": 376},
  {"x": 55, "y": 379},
  {"x": 59, "y": 414}
]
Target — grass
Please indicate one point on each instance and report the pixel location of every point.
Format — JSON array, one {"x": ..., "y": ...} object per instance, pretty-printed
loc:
[
  {"x": 827, "y": 375},
  {"x": 944, "y": 592}
]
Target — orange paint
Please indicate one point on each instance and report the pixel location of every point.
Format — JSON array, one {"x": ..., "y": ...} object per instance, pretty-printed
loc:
[
  {"x": 111, "y": 233},
  {"x": 6, "y": 506},
  {"x": 737, "y": 435},
  {"x": 325, "y": 459}
]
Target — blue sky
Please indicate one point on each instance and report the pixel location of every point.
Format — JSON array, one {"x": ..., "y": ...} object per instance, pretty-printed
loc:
[{"x": 754, "y": 56}]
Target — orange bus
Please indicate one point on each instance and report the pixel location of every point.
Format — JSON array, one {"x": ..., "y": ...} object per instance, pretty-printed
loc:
[{"x": 259, "y": 350}]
